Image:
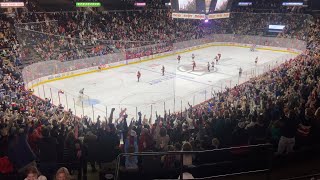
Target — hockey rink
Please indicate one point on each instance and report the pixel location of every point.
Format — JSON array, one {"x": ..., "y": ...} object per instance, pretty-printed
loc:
[{"x": 118, "y": 87}]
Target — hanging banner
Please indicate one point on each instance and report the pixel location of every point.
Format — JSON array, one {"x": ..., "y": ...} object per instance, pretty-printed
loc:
[
  {"x": 219, "y": 16},
  {"x": 11, "y": 4},
  {"x": 188, "y": 16}
]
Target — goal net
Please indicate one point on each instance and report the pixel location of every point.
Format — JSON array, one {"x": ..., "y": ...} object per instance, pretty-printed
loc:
[{"x": 83, "y": 100}]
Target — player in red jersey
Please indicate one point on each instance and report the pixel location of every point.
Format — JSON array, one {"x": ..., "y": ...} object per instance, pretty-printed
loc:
[
  {"x": 219, "y": 56},
  {"x": 193, "y": 65},
  {"x": 179, "y": 57},
  {"x": 162, "y": 69},
  {"x": 138, "y": 76}
]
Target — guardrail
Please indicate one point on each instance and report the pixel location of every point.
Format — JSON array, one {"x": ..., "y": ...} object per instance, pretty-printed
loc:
[{"x": 211, "y": 163}]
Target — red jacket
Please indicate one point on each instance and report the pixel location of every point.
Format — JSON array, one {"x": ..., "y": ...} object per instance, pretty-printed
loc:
[
  {"x": 5, "y": 165},
  {"x": 147, "y": 139}
]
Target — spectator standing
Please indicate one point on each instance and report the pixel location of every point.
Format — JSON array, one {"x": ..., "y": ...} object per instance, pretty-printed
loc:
[
  {"x": 288, "y": 132},
  {"x": 47, "y": 153},
  {"x": 20, "y": 153},
  {"x": 90, "y": 141},
  {"x": 162, "y": 139},
  {"x": 131, "y": 146}
]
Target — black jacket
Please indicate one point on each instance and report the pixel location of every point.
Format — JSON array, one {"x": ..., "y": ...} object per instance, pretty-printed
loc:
[{"x": 48, "y": 149}]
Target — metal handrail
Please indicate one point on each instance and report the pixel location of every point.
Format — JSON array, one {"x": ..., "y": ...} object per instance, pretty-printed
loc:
[
  {"x": 226, "y": 175},
  {"x": 181, "y": 153},
  {"x": 302, "y": 177}
]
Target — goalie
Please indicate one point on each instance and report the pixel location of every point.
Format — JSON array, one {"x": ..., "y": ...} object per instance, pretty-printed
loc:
[{"x": 253, "y": 48}]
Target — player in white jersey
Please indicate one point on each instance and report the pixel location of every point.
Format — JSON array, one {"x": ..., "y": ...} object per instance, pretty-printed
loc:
[
  {"x": 81, "y": 92},
  {"x": 253, "y": 47},
  {"x": 208, "y": 67},
  {"x": 256, "y": 60},
  {"x": 212, "y": 64},
  {"x": 193, "y": 56},
  {"x": 217, "y": 59}
]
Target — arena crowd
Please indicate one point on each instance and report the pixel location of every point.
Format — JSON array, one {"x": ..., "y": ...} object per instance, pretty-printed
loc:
[
  {"x": 281, "y": 107},
  {"x": 81, "y": 35}
]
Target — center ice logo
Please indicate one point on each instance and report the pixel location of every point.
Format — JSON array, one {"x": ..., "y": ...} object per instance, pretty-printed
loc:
[{"x": 156, "y": 81}]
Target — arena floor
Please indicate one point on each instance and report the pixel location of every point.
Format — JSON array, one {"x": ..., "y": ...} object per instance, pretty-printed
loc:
[{"x": 119, "y": 88}]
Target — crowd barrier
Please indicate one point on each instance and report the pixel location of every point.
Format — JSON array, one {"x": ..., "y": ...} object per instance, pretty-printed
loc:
[{"x": 36, "y": 76}]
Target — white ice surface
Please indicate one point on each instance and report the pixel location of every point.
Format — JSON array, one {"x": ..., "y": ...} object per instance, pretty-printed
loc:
[{"x": 119, "y": 88}]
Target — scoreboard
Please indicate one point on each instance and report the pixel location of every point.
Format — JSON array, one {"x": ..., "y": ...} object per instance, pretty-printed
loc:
[{"x": 200, "y": 9}]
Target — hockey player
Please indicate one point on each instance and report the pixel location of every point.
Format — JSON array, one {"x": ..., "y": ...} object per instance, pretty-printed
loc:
[
  {"x": 252, "y": 48},
  {"x": 212, "y": 64},
  {"x": 240, "y": 72},
  {"x": 193, "y": 56},
  {"x": 193, "y": 65},
  {"x": 138, "y": 76},
  {"x": 179, "y": 57},
  {"x": 219, "y": 56},
  {"x": 208, "y": 67},
  {"x": 256, "y": 61},
  {"x": 81, "y": 92},
  {"x": 217, "y": 59},
  {"x": 162, "y": 69}
]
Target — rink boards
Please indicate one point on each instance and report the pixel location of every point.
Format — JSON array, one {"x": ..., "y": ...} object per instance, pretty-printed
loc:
[{"x": 80, "y": 72}]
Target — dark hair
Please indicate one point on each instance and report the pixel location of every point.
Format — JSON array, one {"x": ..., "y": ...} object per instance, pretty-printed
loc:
[
  {"x": 163, "y": 132},
  {"x": 112, "y": 127},
  {"x": 177, "y": 146},
  {"x": 131, "y": 149},
  {"x": 45, "y": 132}
]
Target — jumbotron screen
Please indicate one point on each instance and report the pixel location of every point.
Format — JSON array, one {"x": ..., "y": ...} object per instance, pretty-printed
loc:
[
  {"x": 187, "y": 5},
  {"x": 200, "y": 6},
  {"x": 221, "y": 5}
]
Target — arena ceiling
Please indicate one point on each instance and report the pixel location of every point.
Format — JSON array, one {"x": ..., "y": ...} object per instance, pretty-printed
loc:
[{"x": 315, "y": 4}]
